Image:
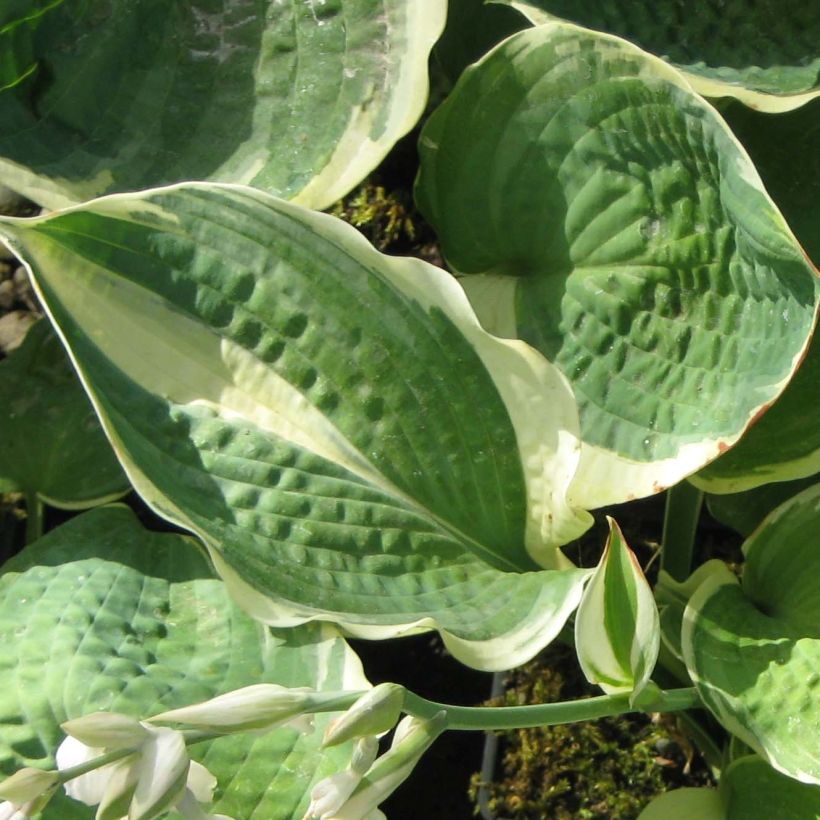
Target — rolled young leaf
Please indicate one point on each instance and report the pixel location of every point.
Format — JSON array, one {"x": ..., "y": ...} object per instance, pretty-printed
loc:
[
  {"x": 606, "y": 214},
  {"x": 753, "y": 648},
  {"x": 617, "y": 633},
  {"x": 299, "y": 98},
  {"x": 334, "y": 423},
  {"x": 764, "y": 54}
]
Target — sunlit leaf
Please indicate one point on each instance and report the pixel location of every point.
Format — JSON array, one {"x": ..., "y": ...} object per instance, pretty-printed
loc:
[
  {"x": 101, "y": 614},
  {"x": 609, "y": 217},
  {"x": 753, "y": 648},
  {"x": 333, "y": 422}
]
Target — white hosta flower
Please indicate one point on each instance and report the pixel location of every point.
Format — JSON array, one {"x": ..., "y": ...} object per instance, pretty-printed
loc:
[
  {"x": 412, "y": 738},
  {"x": 261, "y": 707},
  {"x": 156, "y": 777},
  {"x": 330, "y": 794},
  {"x": 9, "y": 811}
]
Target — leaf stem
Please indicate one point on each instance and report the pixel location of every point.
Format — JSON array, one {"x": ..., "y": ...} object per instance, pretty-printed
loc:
[
  {"x": 34, "y": 517},
  {"x": 488, "y": 718},
  {"x": 683, "y": 503},
  {"x": 96, "y": 763}
]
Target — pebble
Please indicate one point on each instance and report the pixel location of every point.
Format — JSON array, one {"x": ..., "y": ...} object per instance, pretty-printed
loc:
[
  {"x": 7, "y": 294},
  {"x": 13, "y": 329}
]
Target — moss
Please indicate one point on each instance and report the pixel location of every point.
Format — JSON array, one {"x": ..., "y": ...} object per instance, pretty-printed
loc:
[
  {"x": 389, "y": 221},
  {"x": 383, "y": 218},
  {"x": 610, "y": 768}
]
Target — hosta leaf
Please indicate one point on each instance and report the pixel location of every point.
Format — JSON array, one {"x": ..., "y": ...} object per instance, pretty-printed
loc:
[
  {"x": 785, "y": 443},
  {"x": 673, "y": 596},
  {"x": 331, "y": 421},
  {"x": 101, "y": 614},
  {"x": 744, "y": 511},
  {"x": 51, "y": 443},
  {"x": 299, "y": 98},
  {"x": 616, "y": 224},
  {"x": 783, "y": 150},
  {"x": 753, "y": 648},
  {"x": 765, "y": 54},
  {"x": 617, "y": 634},
  {"x": 473, "y": 28},
  {"x": 685, "y": 804},
  {"x": 752, "y": 788}
]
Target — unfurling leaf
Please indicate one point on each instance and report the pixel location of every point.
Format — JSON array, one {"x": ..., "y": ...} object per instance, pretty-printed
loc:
[{"x": 617, "y": 631}]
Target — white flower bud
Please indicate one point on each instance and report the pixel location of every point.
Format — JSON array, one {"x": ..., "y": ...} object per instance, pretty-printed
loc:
[
  {"x": 263, "y": 706},
  {"x": 375, "y": 712}
]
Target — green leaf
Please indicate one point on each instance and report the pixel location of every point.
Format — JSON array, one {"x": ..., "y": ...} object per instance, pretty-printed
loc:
[
  {"x": 764, "y": 54},
  {"x": 785, "y": 443},
  {"x": 617, "y": 634},
  {"x": 473, "y": 28},
  {"x": 334, "y": 423},
  {"x": 101, "y": 614},
  {"x": 744, "y": 511},
  {"x": 611, "y": 219},
  {"x": 51, "y": 443},
  {"x": 753, "y": 649},
  {"x": 685, "y": 804},
  {"x": 752, "y": 788},
  {"x": 673, "y": 596},
  {"x": 302, "y": 99}
]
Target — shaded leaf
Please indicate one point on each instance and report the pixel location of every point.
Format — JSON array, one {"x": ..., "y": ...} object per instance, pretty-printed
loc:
[
  {"x": 302, "y": 99},
  {"x": 765, "y": 54},
  {"x": 51, "y": 443}
]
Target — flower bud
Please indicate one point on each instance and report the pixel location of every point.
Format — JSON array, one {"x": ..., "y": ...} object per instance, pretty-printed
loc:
[
  {"x": 263, "y": 706},
  {"x": 107, "y": 730},
  {"x": 412, "y": 739},
  {"x": 330, "y": 794},
  {"x": 28, "y": 784},
  {"x": 375, "y": 712}
]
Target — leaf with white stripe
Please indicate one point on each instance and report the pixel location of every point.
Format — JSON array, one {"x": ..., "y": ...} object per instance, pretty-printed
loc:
[
  {"x": 333, "y": 422},
  {"x": 753, "y": 648},
  {"x": 617, "y": 632},
  {"x": 302, "y": 98},
  {"x": 606, "y": 214},
  {"x": 104, "y": 615},
  {"x": 764, "y": 54}
]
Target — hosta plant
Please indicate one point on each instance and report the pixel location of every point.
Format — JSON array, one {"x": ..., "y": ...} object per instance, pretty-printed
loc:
[{"x": 353, "y": 444}]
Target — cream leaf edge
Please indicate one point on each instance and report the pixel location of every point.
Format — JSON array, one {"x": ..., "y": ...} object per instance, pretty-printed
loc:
[
  {"x": 545, "y": 619},
  {"x": 492, "y": 297},
  {"x": 706, "y": 86}
]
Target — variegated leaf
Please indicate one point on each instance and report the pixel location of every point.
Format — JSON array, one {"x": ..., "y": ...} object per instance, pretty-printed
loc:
[
  {"x": 608, "y": 216},
  {"x": 334, "y": 423}
]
